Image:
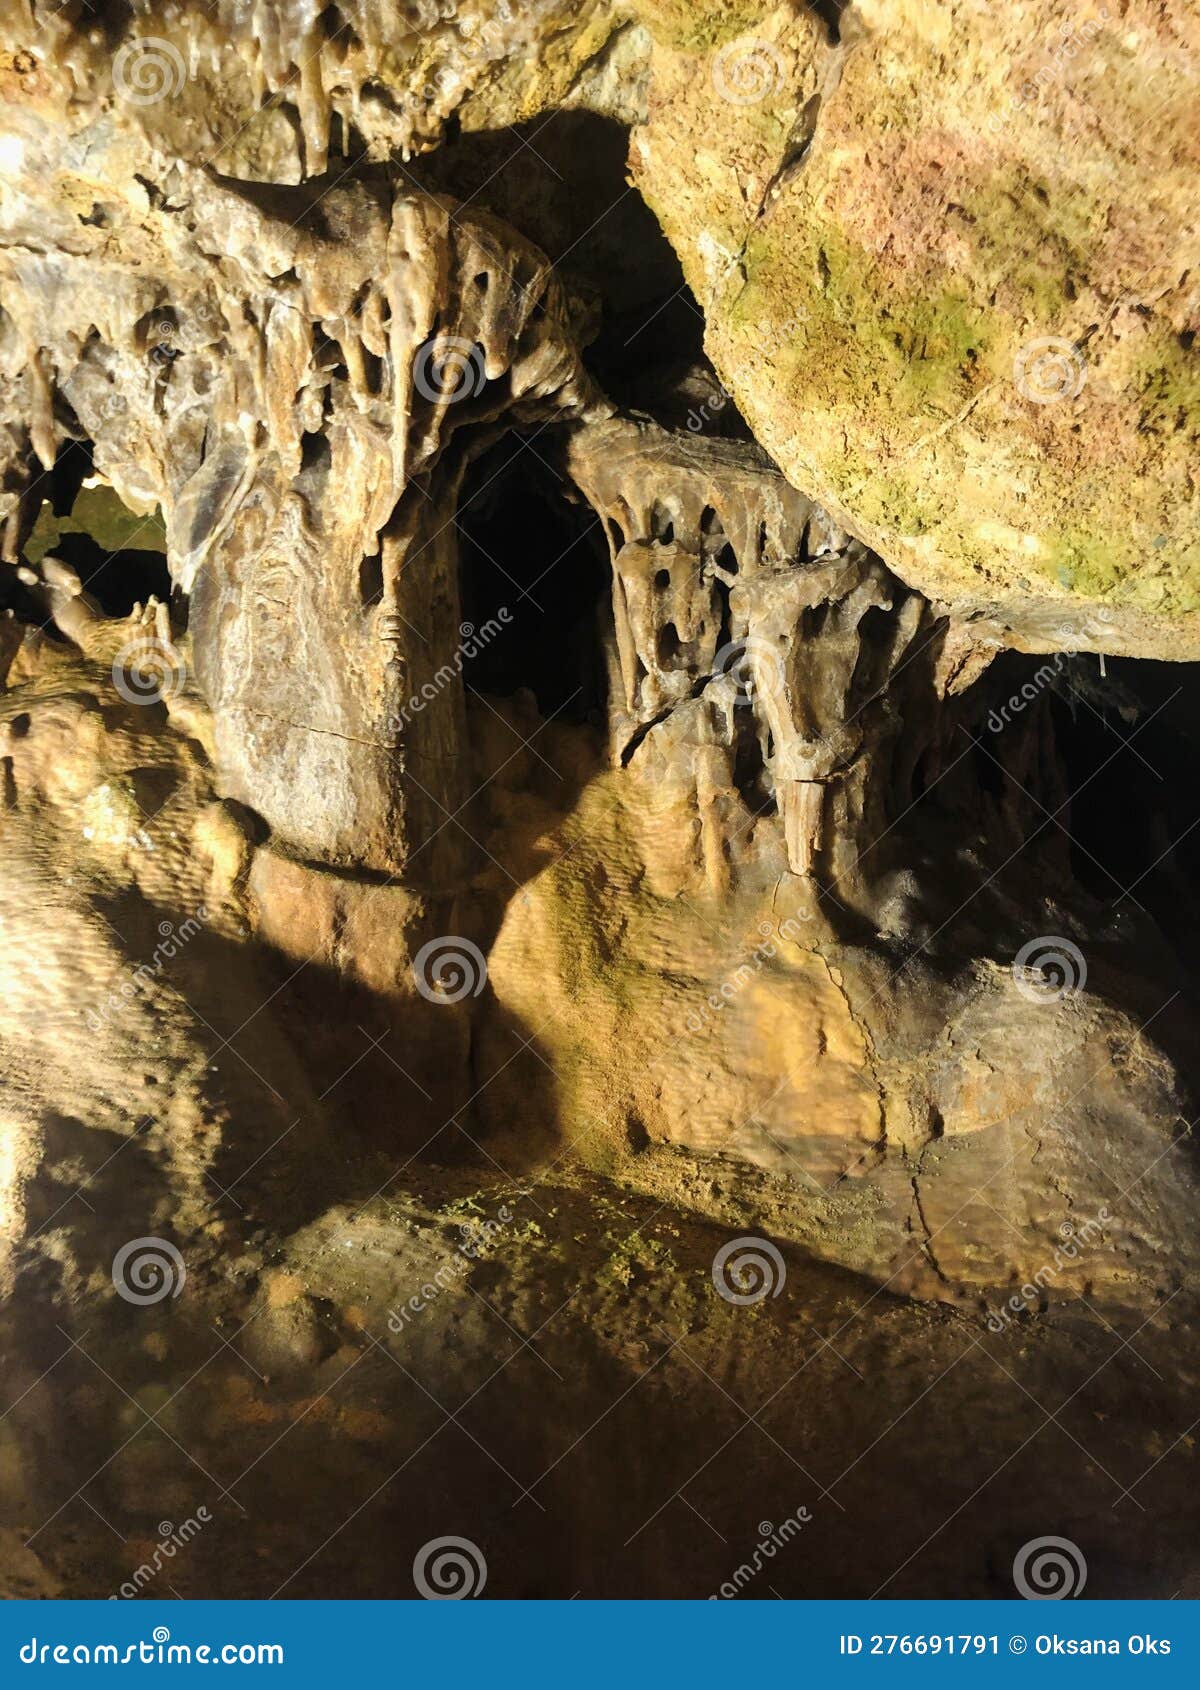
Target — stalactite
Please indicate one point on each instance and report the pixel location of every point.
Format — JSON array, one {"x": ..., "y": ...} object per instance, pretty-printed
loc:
[
  {"x": 722, "y": 570},
  {"x": 290, "y": 433}
]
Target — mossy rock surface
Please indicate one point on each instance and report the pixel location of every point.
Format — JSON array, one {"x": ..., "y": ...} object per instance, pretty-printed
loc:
[{"x": 948, "y": 269}]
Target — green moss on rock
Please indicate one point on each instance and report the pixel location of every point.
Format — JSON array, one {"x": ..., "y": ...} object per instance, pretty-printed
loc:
[
  {"x": 840, "y": 332},
  {"x": 697, "y": 26}
]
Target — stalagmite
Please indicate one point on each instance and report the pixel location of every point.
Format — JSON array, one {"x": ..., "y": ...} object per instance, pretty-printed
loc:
[
  {"x": 801, "y": 803},
  {"x": 306, "y": 446}
]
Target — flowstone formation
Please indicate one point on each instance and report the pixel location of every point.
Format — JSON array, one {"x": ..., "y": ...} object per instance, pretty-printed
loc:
[
  {"x": 528, "y": 814},
  {"x": 292, "y": 413},
  {"x": 755, "y": 644}
]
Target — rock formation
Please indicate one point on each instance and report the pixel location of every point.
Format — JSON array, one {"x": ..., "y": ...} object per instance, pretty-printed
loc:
[{"x": 538, "y": 763}]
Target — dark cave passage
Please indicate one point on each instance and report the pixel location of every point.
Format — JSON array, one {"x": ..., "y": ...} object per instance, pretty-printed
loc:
[
  {"x": 1127, "y": 738},
  {"x": 534, "y": 564}
]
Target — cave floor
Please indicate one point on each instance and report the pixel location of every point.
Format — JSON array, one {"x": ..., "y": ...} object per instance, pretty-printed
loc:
[{"x": 576, "y": 1399}]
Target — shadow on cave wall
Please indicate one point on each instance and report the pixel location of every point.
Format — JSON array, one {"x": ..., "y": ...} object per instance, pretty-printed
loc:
[
  {"x": 1120, "y": 852},
  {"x": 638, "y": 319},
  {"x": 1094, "y": 835}
]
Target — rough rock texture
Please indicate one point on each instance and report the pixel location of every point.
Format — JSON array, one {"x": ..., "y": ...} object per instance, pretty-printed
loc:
[
  {"x": 207, "y": 1042},
  {"x": 295, "y": 435},
  {"x": 500, "y": 813},
  {"x": 264, "y": 90},
  {"x": 948, "y": 270},
  {"x": 913, "y": 1107},
  {"x": 747, "y": 625},
  {"x": 917, "y": 245}
]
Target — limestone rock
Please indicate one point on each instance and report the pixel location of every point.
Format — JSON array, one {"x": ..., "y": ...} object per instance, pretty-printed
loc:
[
  {"x": 955, "y": 249},
  {"x": 511, "y": 825}
]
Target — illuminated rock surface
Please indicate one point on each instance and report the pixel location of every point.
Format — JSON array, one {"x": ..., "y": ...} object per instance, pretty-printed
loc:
[{"x": 523, "y": 782}]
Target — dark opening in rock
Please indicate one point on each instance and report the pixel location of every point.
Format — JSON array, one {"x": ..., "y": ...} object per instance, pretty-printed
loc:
[{"x": 534, "y": 565}]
